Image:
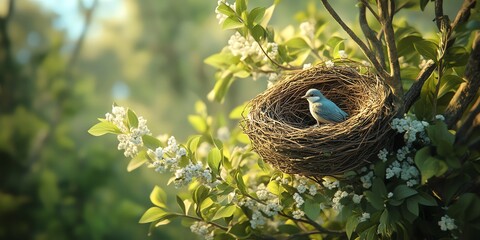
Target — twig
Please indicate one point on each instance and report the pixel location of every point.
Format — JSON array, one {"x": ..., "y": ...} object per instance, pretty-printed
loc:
[
  {"x": 371, "y": 35},
  {"x": 464, "y": 12},
  {"x": 199, "y": 219},
  {"x": 371, "y": 10},
  {"x": 438, "y": 13},
  {"x": 464, "y": 132},
  {"x": 467, "y": 91},
  {"x": 302, "y": 234},
  {"x": 386, "y": 16},
  {"x": 356, "y": 39}
]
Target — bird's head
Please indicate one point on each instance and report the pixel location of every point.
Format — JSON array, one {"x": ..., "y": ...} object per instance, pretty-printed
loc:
[{"x": 313, "y": 95}]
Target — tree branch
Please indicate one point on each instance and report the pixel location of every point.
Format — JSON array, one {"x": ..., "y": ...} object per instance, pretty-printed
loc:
[
  {"x": 467, "y": 128},
  {"x": 356, "y": 39},
  {"x": 438, "y": 13},
  {"x": 371, "y": 35},
  {"x": 386, "y": 16},
  {"x": 464, "y": 12},
  {"x": 467, "y": 91},
  {"x": 414, "y": 92}
]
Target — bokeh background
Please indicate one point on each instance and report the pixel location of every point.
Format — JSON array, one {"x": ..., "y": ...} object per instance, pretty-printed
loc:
[{"x": 62, "y": 65}]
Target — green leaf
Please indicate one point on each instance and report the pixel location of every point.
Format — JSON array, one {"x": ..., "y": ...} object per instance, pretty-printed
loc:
[
  {"x": 403, "y": 191},
  {"x": 428, "y": 165},
  {"x": 412, "y": 206},
  {"x": 224, "y": 9},
  {"x": 104, "y": 127},
  {"x": 267, "y": 16},
  {"x": 240, "y": 183},
  {"x": 450, "y": 83},
  {"x": 236, "y": 113},
  {"x": 151, "y": 142},
  {"x": 214, "y": 159},
  {"x": 312, "y": 208},
  {"x": 232, "y": 22},
  {"x": 256, "y": 15},
  {"x": 200, "y": 194},
  {"x": 441, "y": 138},
  {"x": 193, "y": 142},
  {"x": 334, "y": 41},
  {"x": 423, "y": 4},
  {"x": 297, "y": 42},
  {"x": 375, "y": 200},
  {"x": 158, "y": 197},
  {"x": 378, "y": 187},
  {"x": 220, "y": 89},
  {"x": 425, "y": 199},
  {"x": 132, "y": 118},
  {"x": 137, "y": 161},
  {"x": 258, "y": 32},
  {"x": 224, "y": 211},
  {"x": 351, "y": 225},
  {"x": 384, "y": 222},
  {"x": 274, "y": 187},
  {"x": 198, "y": 123},
  {"x": 152, "y": 214},
  {"x": 426, "y": 48},
  {"x": 241, "y": 6},
  {"x": 181, "y": 204},
  {"x": 239, "y": 230}
]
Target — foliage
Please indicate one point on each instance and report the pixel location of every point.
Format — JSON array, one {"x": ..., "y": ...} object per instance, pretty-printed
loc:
[{"x": 424, "y": 186}]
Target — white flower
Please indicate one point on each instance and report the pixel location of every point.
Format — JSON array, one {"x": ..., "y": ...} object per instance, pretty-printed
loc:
[
  {"x": 302, "y": 186},
  {"x": 367, "y": 179},
  {"x": 366, "y": 64},
  {"x": 382, "y": 155},
  {"x": 312, "y": 190},
  {"x": 307, "y": 66},
  {"x": 257, "y": 219},
  {"x": 342, "y": 54},
  {"x": 357, "y": 198},
  {"x": 390, "y": 195},
  {"x": 336, "y": 199},
  {"x": 329, "y": 63},
  {"x": 440, "y": 117},
  {"x": 330, "y": 183},
  {"x": 298, "y": 200},
  {"x": 297, "y": 214},
  {"x": 307, "y": 29},
  {"x": 365, "y": 216},
  {"x": 223, "y": 134},
  {"x": 203, "y": 229},
  {"x": 446, "y": 223}
]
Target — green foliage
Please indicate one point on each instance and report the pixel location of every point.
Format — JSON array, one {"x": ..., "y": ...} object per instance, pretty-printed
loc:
[{"x": 422, "y": 186}]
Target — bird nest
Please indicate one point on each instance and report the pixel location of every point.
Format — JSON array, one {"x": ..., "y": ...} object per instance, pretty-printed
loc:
[{"x": 285, "y": 134}]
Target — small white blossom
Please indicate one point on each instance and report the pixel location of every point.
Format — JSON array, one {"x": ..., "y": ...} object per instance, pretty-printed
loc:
[
  {"x": 390, "y": 195},
  {"x": 302, "y": 186},
  {"x": 365, "y": 216},
  {"x": 446, "y": 223},
  {"x": 382, "y": 155},
  {"x": 440, "y": 117},
  {"x": 297, "y": 214},
  {"x": 357, "y": 198},
  {"x": 329, "y": 64},
  {"x": 257, "y": 219},
  {"x": 307, "y": 66},
  {"x": 312, "y": 190},
  {"x": 307, "y": 29},
  {"x": 342, "y": 54},
  {"x": 328, "y": 183},
  {"x": 220, "y": 16},
  {"x": 298, "y": 200},
  {"x": 223, "y": 134},
  {"x": 339, "y": 195},
  {"x": 367, "y": 179},
  {"x": 203, "y": 229}
]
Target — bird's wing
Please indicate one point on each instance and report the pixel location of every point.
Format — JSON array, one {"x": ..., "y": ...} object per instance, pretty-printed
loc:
[{"x": 331, "y": 112}]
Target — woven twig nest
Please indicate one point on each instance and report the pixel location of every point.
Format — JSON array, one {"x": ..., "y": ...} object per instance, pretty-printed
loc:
[{"x": 285, "y": 134}]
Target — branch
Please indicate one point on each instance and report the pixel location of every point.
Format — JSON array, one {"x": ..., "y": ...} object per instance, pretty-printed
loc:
[
  {"x": 371, "y": 35},
  {"x": 371, "y": 10},
  {"x": 356, "y": 39},
  {"x": 386, "y": 16},
  {"x": 467, "y": 128},
  {"x": 467, "y": 91},
  {"x": 464, "y": 12},
  {"x": 438, "y": 13},
  {"x": 414, "y": 92}
]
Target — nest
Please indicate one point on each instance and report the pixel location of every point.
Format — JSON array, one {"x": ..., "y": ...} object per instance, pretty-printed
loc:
[{"x": 285, "y": 134}]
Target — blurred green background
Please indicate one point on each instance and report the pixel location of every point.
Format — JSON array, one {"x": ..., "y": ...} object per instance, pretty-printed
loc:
[{"x": 62, "y": 64}]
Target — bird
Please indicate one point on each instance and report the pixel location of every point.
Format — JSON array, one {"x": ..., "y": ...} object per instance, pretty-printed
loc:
[{"x": 322, "y": 109}]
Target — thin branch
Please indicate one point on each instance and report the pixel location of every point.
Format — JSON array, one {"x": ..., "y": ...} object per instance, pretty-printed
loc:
[
  {"x": 371, "y": 10},
  {"x": 414, "y": 92},
  {"x": 467, "y": 91},
  {"x": 464, "y": 12},
  {"x": 438, "y": 13},
  {"x": 371, "y": 35},
  {"x": 384, "y": 9},
  {"x": 199, "y": 219},
  {"x": 356, "y": 39},
  {"x": 302, "y": 234},
  {"x": 464, "y": 132}
]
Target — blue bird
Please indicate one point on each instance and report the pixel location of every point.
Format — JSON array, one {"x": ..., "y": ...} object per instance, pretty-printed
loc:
[{"x": 322, "y": 109}]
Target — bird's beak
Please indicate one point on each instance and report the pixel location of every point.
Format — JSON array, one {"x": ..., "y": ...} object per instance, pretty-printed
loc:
[{"x": 304, "y": 97}]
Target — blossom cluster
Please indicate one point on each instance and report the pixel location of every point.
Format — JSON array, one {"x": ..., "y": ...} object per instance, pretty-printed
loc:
[
  {"x": 130, "y": 140},
  {"x": 203, "y": 229},
  {"x": 247, "y": 47},
  {"x": 412, "y": 129},
  {"x": 447, "y": 223}
]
